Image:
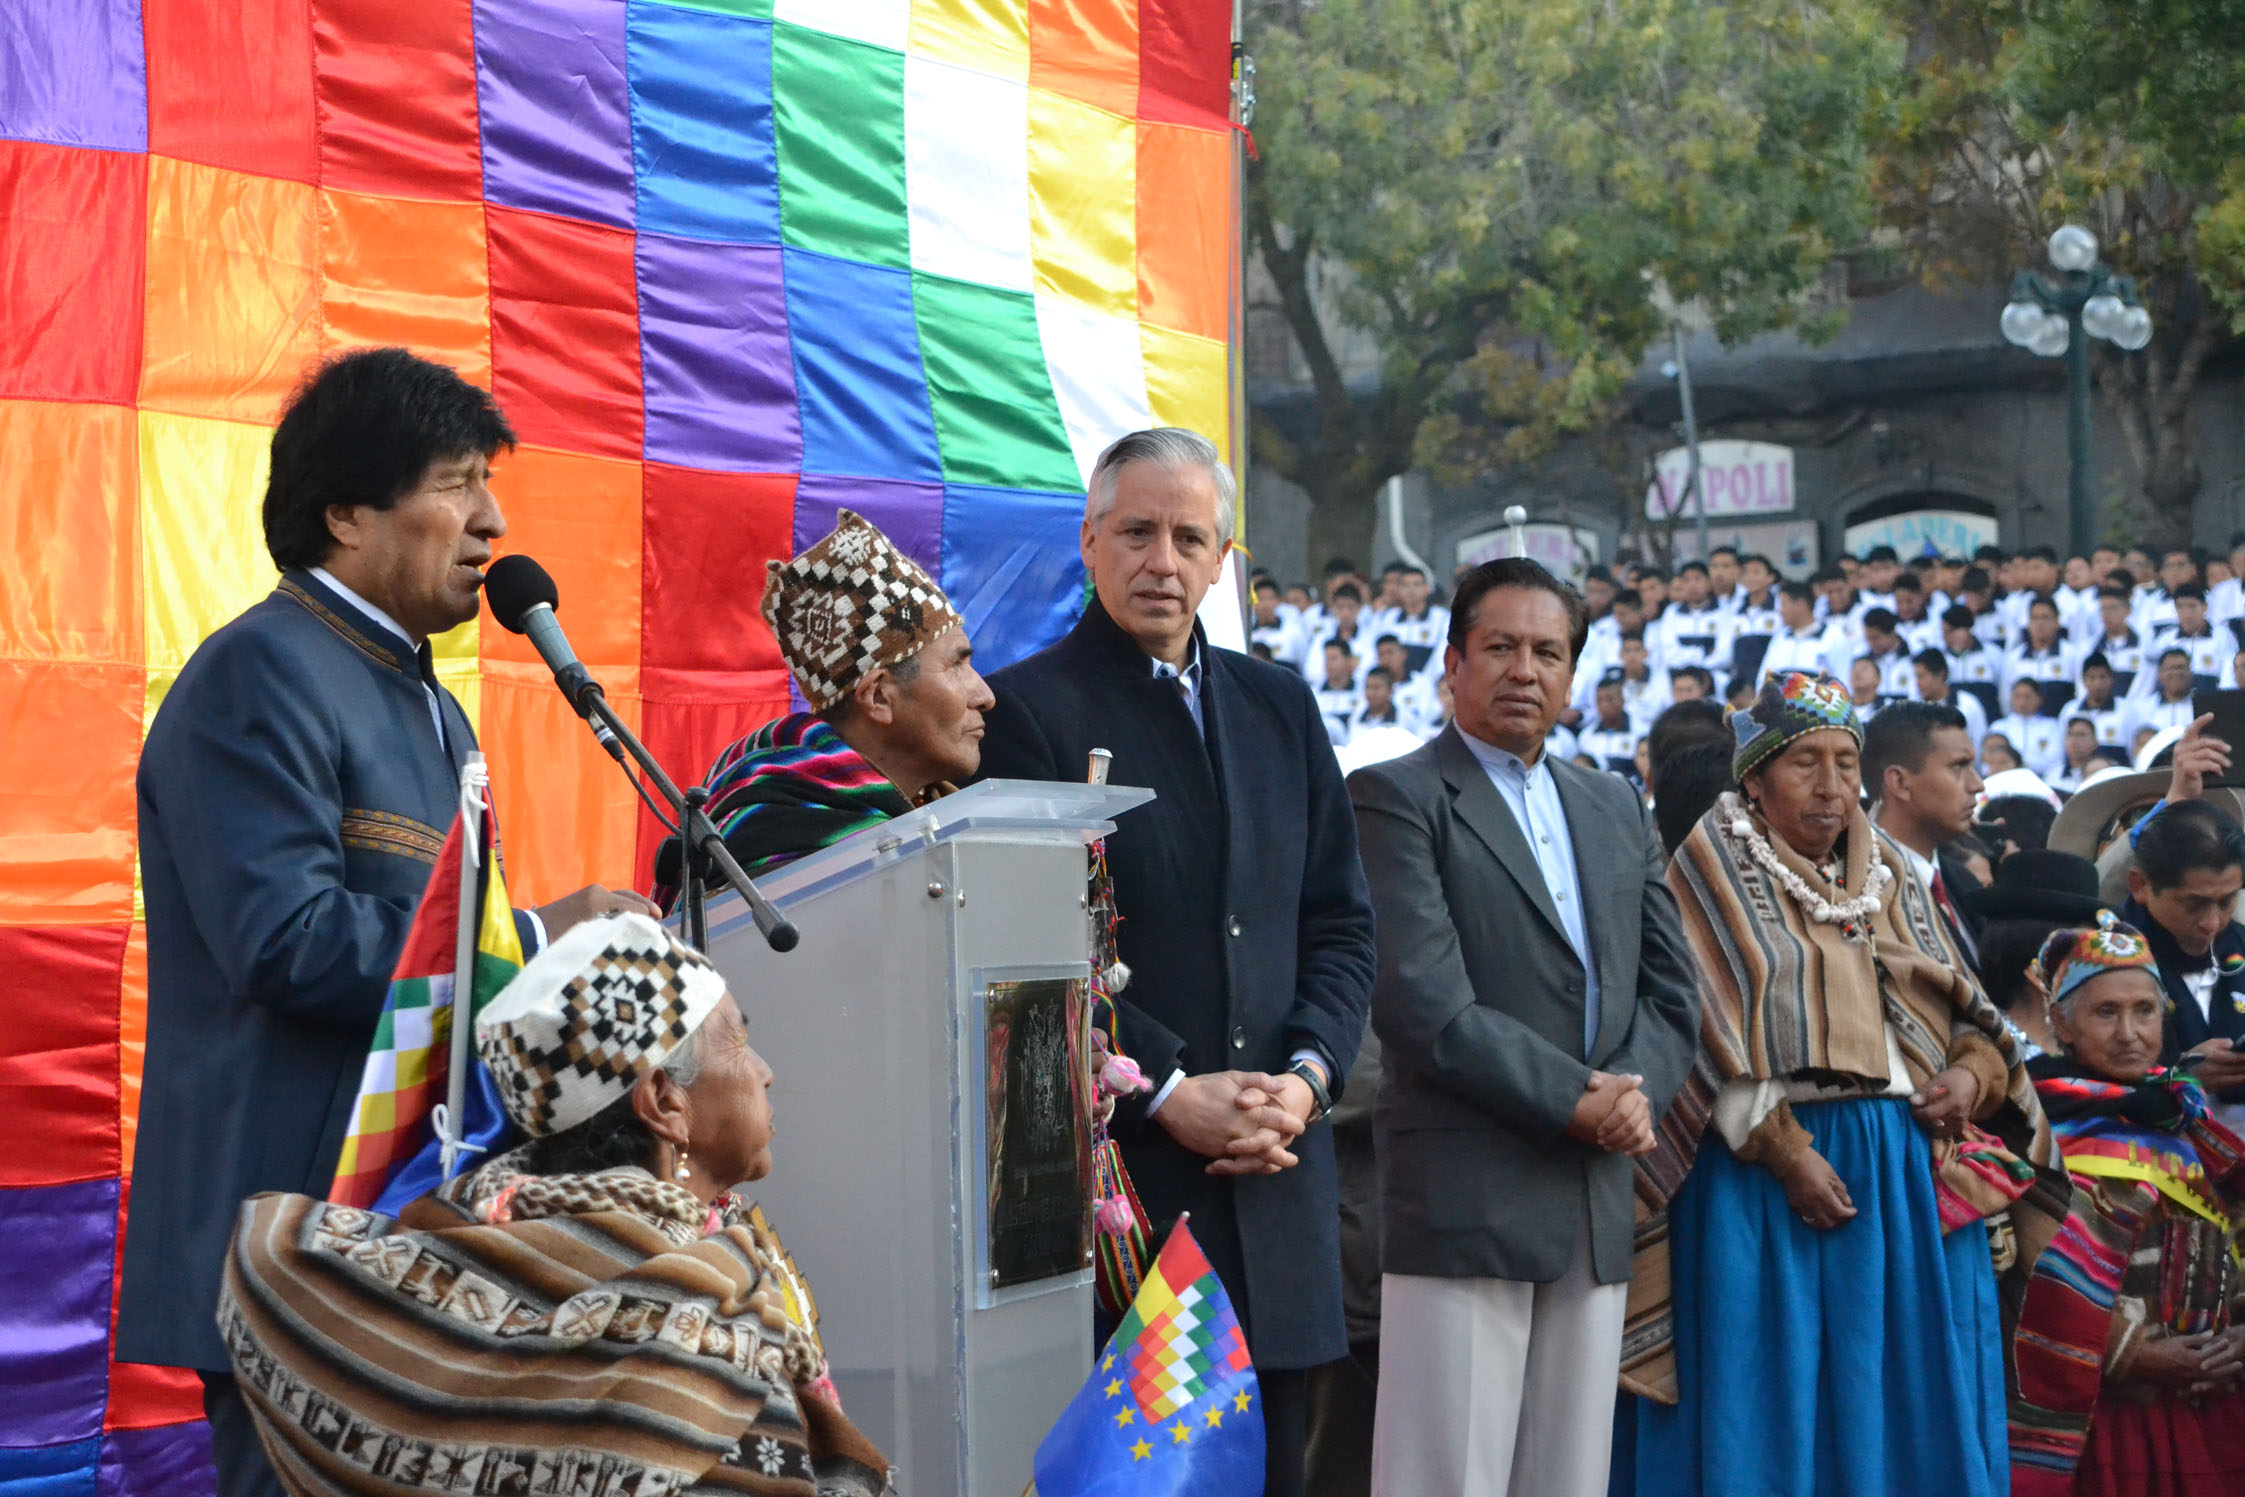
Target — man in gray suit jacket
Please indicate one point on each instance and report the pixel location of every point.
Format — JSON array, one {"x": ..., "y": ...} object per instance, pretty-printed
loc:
[{"x": 1537, "y": 1012}]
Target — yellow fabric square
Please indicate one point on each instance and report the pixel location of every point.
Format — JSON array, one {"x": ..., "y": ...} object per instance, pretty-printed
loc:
[
  {"x": 990, "y": 36},
  {"x": 408, "y": 273},
  {"x": 202, "y": 538},
  {"x": 460, "y": 675},
  {"x": 232, "y": 291},
  {"x": 1083, "y": 209},
  {"x": 1189, "y": 383}
]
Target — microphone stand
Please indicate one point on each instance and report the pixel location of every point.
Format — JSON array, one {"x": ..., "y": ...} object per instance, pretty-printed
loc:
[{"x": 704, "y": 847}]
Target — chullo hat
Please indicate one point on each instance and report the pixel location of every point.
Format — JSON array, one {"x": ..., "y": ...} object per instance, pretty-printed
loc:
[{"x": 850, "y": 605}]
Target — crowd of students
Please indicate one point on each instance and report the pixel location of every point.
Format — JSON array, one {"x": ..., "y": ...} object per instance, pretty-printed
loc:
[{"x": 2062, "y": 668}]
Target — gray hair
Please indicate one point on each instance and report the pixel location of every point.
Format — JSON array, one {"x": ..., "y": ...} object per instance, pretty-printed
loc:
[
  {"x": 684, "y": 1063},
  {"x": 1175, "y": 448}
]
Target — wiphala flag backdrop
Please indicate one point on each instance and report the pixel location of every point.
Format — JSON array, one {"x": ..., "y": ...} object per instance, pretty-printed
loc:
[{"x": 729, "y": 265}]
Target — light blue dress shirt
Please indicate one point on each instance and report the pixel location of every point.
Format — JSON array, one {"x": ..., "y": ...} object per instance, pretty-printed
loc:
[
  {"x": 1533, "y": 798},
  {"x": 1189, "y": 678}
]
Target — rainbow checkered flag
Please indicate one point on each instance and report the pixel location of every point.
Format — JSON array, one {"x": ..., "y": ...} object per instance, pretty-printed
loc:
[
  {"x": 1172, "y": 1407},
  {"x": 391, "y": 1152}
]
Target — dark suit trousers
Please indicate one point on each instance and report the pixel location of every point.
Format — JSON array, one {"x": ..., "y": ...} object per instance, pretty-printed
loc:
[{"x": 243, "y": 1468}]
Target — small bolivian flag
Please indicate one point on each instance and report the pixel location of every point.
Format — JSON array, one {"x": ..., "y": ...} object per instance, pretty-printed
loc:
[{"x": 1172, "y": 1405}]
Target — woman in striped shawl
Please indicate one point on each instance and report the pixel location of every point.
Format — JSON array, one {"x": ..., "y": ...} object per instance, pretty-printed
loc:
[
  {"x": 1817, "y": 1310},
  {"x": 595, "y": 1314}
]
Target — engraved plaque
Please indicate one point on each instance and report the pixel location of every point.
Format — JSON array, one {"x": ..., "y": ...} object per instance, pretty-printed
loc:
[{"x": 1039, "y": 1130}]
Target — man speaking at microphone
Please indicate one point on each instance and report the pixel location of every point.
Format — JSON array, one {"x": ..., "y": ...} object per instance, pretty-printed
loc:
[{"x": 295, "y": 789}]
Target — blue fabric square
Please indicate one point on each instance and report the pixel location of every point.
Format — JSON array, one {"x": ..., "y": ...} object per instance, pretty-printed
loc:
[
  {"x": 857, "y": 370},
  {"x": 1012, "y": 568},
  {"x": 56, "y": 1267},
  {"x": 74, "y": 73},
  {"x": 51, "y": 1470},
  {"x": 555, "y": 111},
  {"x": 701, "y": 124}
]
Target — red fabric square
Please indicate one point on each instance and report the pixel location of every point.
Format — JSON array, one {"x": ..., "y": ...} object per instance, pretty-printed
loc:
[
  {"x": 142, "y": 1397},
  {"x": 58, "y": 1052},
  {"x": 706, "y": 537},
  {"x": 565, "y": 332},
  {"x": 73, "y": 245},
  {"x": 686, "y": 718},
  {"x": 230, "y": 84},
  {"x": 1185, "y": 62},
  {"x": 397, "y": 98}
]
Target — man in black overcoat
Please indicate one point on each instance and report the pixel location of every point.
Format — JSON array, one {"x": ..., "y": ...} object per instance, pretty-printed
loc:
[
  {"x": 295, "y": 789},
  {"x": 1245, "y": 920}
]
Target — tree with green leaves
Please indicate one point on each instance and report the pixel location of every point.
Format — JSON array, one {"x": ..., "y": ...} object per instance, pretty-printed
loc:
[
  {"x": 1514, "y": 197},
  {"x": 2128, "y": 119}
]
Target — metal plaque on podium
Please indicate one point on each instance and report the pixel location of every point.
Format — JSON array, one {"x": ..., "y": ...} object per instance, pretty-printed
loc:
[{"x": 931, "y": 1171}]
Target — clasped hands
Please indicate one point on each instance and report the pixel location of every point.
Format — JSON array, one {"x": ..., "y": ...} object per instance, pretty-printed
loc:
[
  {"x": 1815, "y": 1190},
  {"x": 2198, "y": 1364},
  {"x": 1613, "y": 1114},
  {"x": 1241, "y": 1121}
]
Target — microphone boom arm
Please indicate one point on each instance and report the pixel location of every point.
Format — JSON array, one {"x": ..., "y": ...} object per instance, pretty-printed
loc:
[{"x": 704, "y": 845}]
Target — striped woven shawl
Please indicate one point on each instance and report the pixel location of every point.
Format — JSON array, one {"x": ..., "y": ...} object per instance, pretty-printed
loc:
[
  {"x": 586, "y": 1353},
  {"x": 1785, "y": 996},
  {"x": 793, "y": 787}
]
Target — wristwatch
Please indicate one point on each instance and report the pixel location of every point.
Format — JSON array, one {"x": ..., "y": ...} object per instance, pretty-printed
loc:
[{"x": 1321, "y": 1099}]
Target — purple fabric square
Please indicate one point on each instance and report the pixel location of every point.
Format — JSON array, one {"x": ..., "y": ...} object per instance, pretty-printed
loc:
[
  {"x": 74, "y": 73},
  {"x": 910, "y": 514},
  {"x": 714, "y": 357},
  {"x": 58, "y": 1251},
  {"x": 555, "y": 108},
  {"x": 173, "y": 1461}
]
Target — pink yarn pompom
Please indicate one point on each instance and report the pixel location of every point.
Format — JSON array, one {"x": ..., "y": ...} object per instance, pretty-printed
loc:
[
  {"x": 1121, "y": 1077},
  {"x": 1113, "y": 1215}
]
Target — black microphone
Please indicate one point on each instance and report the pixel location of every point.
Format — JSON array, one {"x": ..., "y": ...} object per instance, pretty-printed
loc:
[{"x": 523, "y": 599}]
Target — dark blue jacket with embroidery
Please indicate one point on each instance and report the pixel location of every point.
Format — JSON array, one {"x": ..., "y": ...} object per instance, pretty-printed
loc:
[{"x": 293, "y": 798}]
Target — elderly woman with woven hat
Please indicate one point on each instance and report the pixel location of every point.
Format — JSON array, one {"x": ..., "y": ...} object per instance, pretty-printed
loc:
[
  {"x": 1817, "y": 1311},
  {"x": 595, "y": 1312},
  {"x": 2160, "y": 1196}
]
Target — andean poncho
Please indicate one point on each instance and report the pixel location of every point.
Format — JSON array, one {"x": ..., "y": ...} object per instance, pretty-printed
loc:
[{"x": 600, "y": 1335}]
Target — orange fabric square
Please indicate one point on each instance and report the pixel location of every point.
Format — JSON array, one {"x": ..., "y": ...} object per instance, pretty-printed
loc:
[
  {"x": 69, "y": 550},
  {"x": 68, "y": 734},
  {"x": 580, "y": 517},
  {"x": 707, "y": 537},
  {"x": 407, "y": 273},
  {"x": 1185, "y": 198},
  {"x": 132, "y": 1041},
  {"x": 70, "y": 259},
  {"x": 233, "y": 291},
  {"x": 230, "y": 84},
  {"x": 567, "y": 815},
  {"x": 58, "y": 1061},
  {"x": 565, "y": 332},
  {"x": 1087, "y": 50},
  {"x": 397, "y": 97}
]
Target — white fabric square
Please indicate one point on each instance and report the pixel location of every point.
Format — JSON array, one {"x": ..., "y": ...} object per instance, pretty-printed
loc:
[
  {"x": 966, "y": 174},
  {"x": 884, "y": 23},
  {"x": 1098, "y": 375}
]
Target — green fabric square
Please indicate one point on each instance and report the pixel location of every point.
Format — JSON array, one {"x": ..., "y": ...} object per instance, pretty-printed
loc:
[
  {"x": 838, "y": 113},
  {"x": 996, "y": 421},
  {"x": 755, "y": 10}
]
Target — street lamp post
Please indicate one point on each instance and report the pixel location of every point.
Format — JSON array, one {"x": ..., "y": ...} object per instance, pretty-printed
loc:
[{"x": 2056, "y": 316}]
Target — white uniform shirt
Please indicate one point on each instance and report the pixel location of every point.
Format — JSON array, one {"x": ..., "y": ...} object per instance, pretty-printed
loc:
[{"x": 2037, "y": 741}]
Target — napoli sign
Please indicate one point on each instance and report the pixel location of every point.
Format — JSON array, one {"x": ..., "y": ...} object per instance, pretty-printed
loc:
[{"x": 1739, "y": 479}]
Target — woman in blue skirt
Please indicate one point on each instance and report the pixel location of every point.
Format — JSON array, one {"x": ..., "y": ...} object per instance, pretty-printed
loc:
[{"x": 1856, "y": 1157}]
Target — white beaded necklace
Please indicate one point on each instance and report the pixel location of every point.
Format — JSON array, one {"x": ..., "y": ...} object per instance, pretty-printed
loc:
[{"x": 1817, "y": 907}]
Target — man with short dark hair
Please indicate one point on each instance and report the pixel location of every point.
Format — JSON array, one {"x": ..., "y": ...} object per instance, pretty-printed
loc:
[
  {"x": 1918, "y": 770},
  {"x": 2209, "y": 648},
  {"x": 1934, "y": 686},
  {"x": 2112, "y": 722},
  {"x": 296, "y": 788},
  {"x": 2116, "y": 639},
  {"x": 1344, "y": 605},
  {"x": 1725, "y": 571},
  {"x": 1694, "y": 630},
  {"x": 1804, "y": 644},
  {"x": 1245, "y": 921},
  {"x": 2043, "y": 656},
  {"x": 1536, "y": 1014},
  {"x": 2183, "y": 883},
  {"x": 1883, "y": 644},
  {"x": 2169, "y": 705}
]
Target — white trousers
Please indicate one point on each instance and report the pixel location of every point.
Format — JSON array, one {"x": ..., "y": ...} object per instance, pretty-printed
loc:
[{"x": 1493, "y": 1388}]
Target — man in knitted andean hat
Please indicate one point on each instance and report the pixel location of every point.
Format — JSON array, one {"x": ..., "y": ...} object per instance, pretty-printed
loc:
[{"x": 883, "y": 660}]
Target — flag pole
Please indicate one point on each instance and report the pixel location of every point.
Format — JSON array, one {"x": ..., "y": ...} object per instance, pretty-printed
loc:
[{"x": 475, "y": 778}]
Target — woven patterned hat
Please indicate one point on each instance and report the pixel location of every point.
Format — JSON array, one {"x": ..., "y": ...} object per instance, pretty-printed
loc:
[
  {"x": 591, "y": 1014},
  {"x": 850, "y": 605},
  {"x": 2071, "y": 958},
  {"x": 1791, "y": 704}
]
